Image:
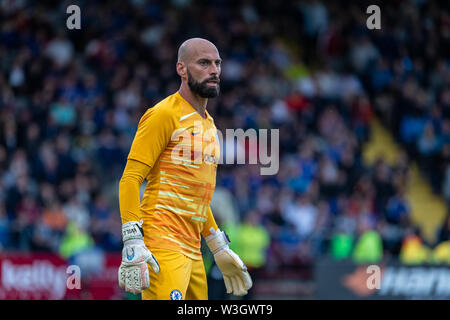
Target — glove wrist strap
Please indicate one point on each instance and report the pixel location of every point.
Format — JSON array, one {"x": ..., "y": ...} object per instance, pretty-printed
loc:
[
  {"x": 132, "y": 230},
  {"x": 136, "y": 242},
  {"x": 217, "y": 240}
]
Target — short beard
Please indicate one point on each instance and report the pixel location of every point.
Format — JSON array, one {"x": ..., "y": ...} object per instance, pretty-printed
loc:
[{"x": 201, "y": 88}]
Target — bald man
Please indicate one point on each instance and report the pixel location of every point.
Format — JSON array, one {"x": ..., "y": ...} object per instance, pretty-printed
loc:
[{"x": 176, "y": 149}]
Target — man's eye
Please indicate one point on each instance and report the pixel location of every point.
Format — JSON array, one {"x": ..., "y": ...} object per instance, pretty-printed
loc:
[{"x": 203, "y": 63}]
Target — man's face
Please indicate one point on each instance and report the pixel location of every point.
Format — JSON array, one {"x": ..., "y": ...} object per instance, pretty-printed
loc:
[{"x": 203, "y": 73}]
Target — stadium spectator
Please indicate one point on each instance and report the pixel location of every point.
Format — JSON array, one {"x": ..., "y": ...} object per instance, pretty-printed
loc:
[
  {"x": 413, "y": 250},
  {"x": 341, "y": 245},
  {"x": 443, "y": 232},
  {"x": 75, "y": 241},
  {"x": 251, "y": 241},
  {"x": 4, "y": 227},
  {"x": 369, "y": 245}
]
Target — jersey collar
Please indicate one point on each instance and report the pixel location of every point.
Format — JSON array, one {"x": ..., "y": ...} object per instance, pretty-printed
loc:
[{"x": 208, "y": 116}]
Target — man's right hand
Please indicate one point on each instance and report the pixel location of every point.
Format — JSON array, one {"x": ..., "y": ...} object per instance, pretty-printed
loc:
[{"x": 133, "y": 271}]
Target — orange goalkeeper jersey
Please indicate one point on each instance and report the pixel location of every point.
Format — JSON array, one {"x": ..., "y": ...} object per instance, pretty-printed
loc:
[{"x": 182, "y": 149}]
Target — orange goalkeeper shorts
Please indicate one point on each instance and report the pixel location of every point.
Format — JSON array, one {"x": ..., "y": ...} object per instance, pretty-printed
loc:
[{"x": 180, "y": 278}]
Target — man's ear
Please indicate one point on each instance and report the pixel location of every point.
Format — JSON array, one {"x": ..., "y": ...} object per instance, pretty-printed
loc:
[{"x": 181, "y": 69}]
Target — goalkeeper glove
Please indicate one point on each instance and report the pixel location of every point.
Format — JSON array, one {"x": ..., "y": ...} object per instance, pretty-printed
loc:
[
  {"x": 235, "y": 275},
  {"x": 133, "y": 271}
]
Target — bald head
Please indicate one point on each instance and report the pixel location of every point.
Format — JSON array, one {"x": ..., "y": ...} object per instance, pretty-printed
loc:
[
  {"x": 199, "y": 66},
  {"x": 194, "y": 47}
]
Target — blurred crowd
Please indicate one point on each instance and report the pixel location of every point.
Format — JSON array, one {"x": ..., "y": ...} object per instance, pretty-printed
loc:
[{"x": 70, "y": 101}]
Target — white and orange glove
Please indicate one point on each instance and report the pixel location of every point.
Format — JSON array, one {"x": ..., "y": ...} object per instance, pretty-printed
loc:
[
  {"x": 235, "y": 275},
  {"x": 133, "y": 271}
]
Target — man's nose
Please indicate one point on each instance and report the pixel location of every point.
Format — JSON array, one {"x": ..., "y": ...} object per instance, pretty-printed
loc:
[{"x": 214, "y": 69}]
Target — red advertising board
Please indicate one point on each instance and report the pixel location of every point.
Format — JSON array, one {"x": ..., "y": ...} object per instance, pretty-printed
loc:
[{"x": 44, "y": 276}]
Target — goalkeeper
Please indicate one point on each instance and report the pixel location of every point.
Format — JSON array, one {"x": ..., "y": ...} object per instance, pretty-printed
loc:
[{"x": 164, "y": 229}]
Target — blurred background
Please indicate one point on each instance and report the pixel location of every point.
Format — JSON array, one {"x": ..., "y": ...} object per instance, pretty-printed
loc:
[{"x": 364, "y": 120}]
